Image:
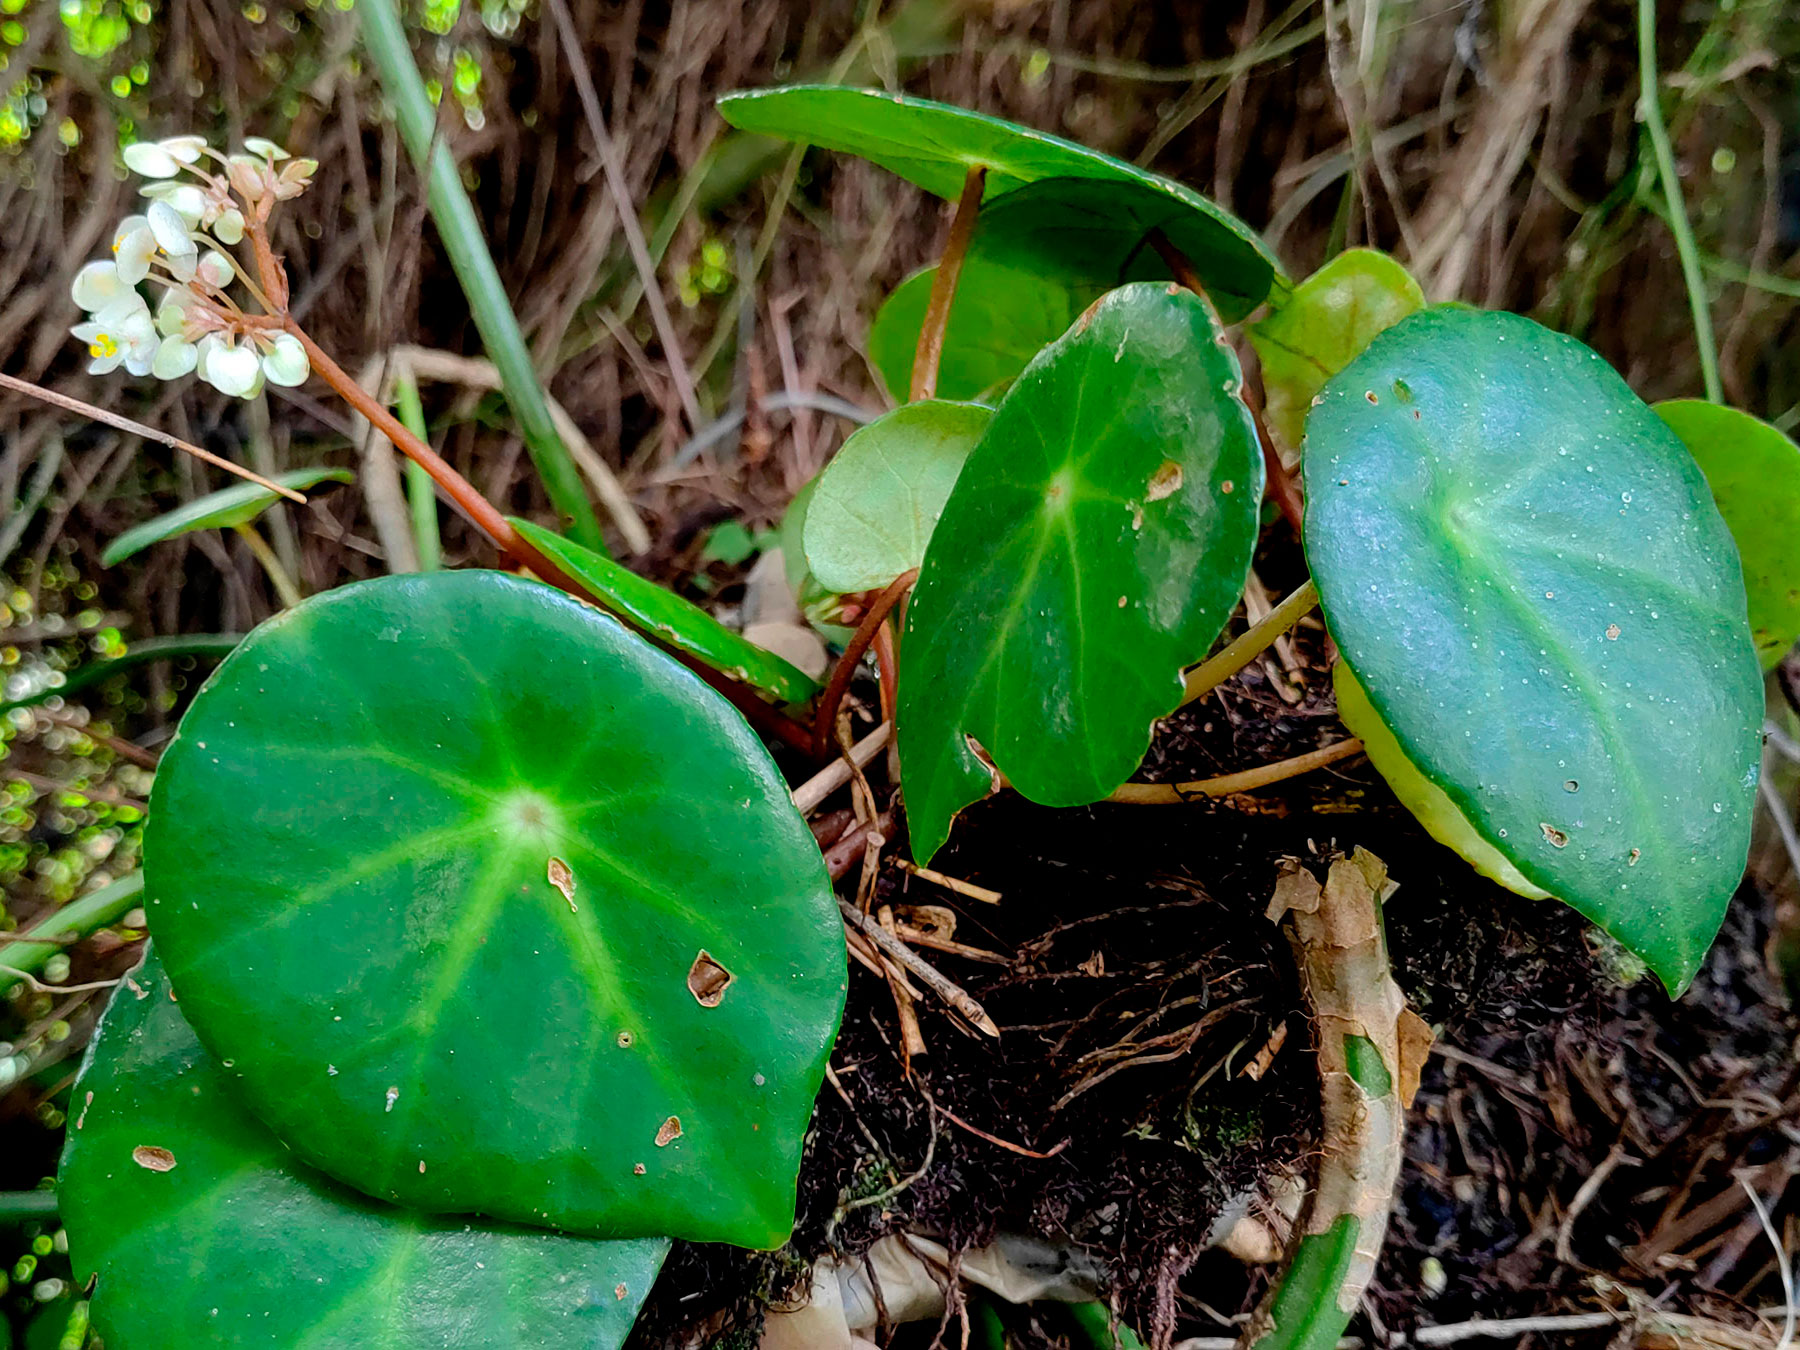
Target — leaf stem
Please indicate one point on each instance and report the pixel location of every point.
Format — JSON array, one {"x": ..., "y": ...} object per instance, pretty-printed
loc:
[
  {"x": 279, "y": 577},
  {"x": 1650, "y": 108},
  {"x": 81, "y": 916},
  {"x": 1252, "y": 643},
  {"x": 930, "y": 352},
  {"x": 1281, "y": 486},
  {"x": 1169, "y": 794},
  {"x": 24, "y": 1206},
  {"x": 825, "y": 719}
]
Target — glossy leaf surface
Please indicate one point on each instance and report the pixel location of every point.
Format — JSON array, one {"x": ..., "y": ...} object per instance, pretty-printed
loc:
[
  {"x": 666, "y": 616},
  {"x": 1000, "y": 319},
  {"x": 1322, "y": 327},
  {"x": 935, "y": 145},
  {"x": 1754, "y": 473},
  {"x": 236, "y": 1245},
  {"x": 221, "y": 510},
  {"x": 430, "y": 861},
  {"x": 1527, "y": 575},
  {"x": 1095, "y": 544},
  {"x": 879, "y": 499}
]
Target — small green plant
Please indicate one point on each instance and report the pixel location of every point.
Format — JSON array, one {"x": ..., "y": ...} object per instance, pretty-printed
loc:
[{"x": 479, "y": 902}]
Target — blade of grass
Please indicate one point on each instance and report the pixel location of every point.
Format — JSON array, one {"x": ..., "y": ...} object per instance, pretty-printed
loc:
[
  {"x": 421, "y": 495},
  {"x": 78, "y": 918},
  {"x": 1650, "y": 109},
  {"x": 385, "y": 39}
]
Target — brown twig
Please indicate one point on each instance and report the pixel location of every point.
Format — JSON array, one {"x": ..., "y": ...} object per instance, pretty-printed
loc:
[
  {"x": 946, "y": 989},
  {"x": 1167, "y": 794},
  {"x": 930, "y": 352},
  {"x": 964, "y": 888},
  {"x": 149, "y": 433},
  {"x": 1282, "y": 489},
  {"x": 960, "y": 1123},
  {"x": 845, "y": 670}
]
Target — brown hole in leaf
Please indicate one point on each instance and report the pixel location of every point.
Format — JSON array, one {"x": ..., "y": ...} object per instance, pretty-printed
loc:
[
  {"x": 707, "y": 980},
  {"x": 153, "y": 1159},
  {"x": 637, "y": 1169},
  {"x": 625, "y": 1040},
  {"x": 1557, "y": 838},
  {"x": 1370, "y": 395},
  {"x": 563, "y": 879},
  {"x": 668, "y": 1132},
  {"x": 1165, "y": 482},
  {"x": 619, "y": 1293}
]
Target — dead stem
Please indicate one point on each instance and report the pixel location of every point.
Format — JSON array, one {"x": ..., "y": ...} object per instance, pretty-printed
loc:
[
  {"x": 149, "y": 433},
  {"x": 930, "y": 351},
  {"x": 890, "y": 945},
  {"x": 1168, "y": 794}
]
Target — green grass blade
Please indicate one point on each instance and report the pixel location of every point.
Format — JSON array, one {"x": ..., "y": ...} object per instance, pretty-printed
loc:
[
  {"x": 421, "y": 493},
  {"x": 385, "y": 39},
  {"x": 78, "y": 918}
]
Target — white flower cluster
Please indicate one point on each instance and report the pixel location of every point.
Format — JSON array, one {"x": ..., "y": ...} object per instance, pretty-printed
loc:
[{"x": 197, "y": 325}]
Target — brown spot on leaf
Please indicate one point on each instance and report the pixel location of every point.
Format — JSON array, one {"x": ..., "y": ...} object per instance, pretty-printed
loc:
[
  {"x": 668, "y": 1132},
  {"x": 707, "y": 980},
  {"x": 625, "y": 1040},
  {"x": 563, "y": 878},
  {"x": 153, "y": 1159},
  {"x": 1632, "y": 858},
  {"x": 620, "y": 1292},
  {"x": 1612, "y": 632},
  {"x": 637, "y": 1169},
  {"x": 1557, "y": 838},
  {"x": 1370, "y": 395},
  {"x": 1165, "y": 482}
]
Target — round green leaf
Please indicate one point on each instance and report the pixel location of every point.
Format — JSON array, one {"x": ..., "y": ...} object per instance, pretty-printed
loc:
[
  {"x": 1526, "y": 573},
  {"x": 665, "y": 616},
  {"x": 203, "y": 1231},
  {"x": 1754, "y": 472},
  {"x": 935, "y": 145},
  {"x": 236, "y": 505},
  {"x": 432, "y": 861},
  {"x": 1095, "y": 544},
  {"x": 1000, "y": 318},
  {"x": 879, "y": 499},
  {"x": 1328, "y": 320}
]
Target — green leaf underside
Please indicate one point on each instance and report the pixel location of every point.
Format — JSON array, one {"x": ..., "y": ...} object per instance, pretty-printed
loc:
[
  {"x": 1754, "y": 473},
  {"x": 879, "y": 499},
  {"x": 1095, "y": 544},
  {"x": 1000, "y": 318},
  {"x": 667, "y": 617},
  {"x": 221, "y": 510},
  {"x": 348, "y": 871},
  {"x": 238, "y": 1245},
  {"x": 1322, "y": 326},
  {"x": 935, "y": 145},
  {"x": 1527, "y": 575},
  {"x": 1417, "y": 793}
]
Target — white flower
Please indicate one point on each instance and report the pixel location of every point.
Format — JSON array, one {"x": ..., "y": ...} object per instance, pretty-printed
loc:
[
  {"x": 286, "y": 362},
  {"x": 133, "y": 246},
  {"x": 98, "y": 285},
  {"x": 163, "y": 159},
  {"x": 173, "y": 238},
  {"x": 215, "y": 269},
  {"x": 122, "y": 334},
  {"x": 257, "y": 145},
  {"x": 175, "y": 357},
  {"x": 229, "y": 369},
  {"x": 188, "y": 200},
  {"x": 229, "y": 227},
  {"x": 172, "y": 312}
]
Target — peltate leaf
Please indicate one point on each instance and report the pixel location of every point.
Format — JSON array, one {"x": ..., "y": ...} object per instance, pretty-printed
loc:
[
  {"x": 1000, "y": 318},
  {"x": 667, "y": 617},
  {"x": 1094, "y": 545},
  {"x": 935, "y": 145},
  {"x": 203, "y": 1230},
  {"x": 1328, "y": 320},
  {"x": 432, "y": 862},
  {"x": 1754, "y": 472},
  {"x": 879, "y": 499},
  {"x": 221, "y": 510},
  {"x": 1527, "y": 575}
]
